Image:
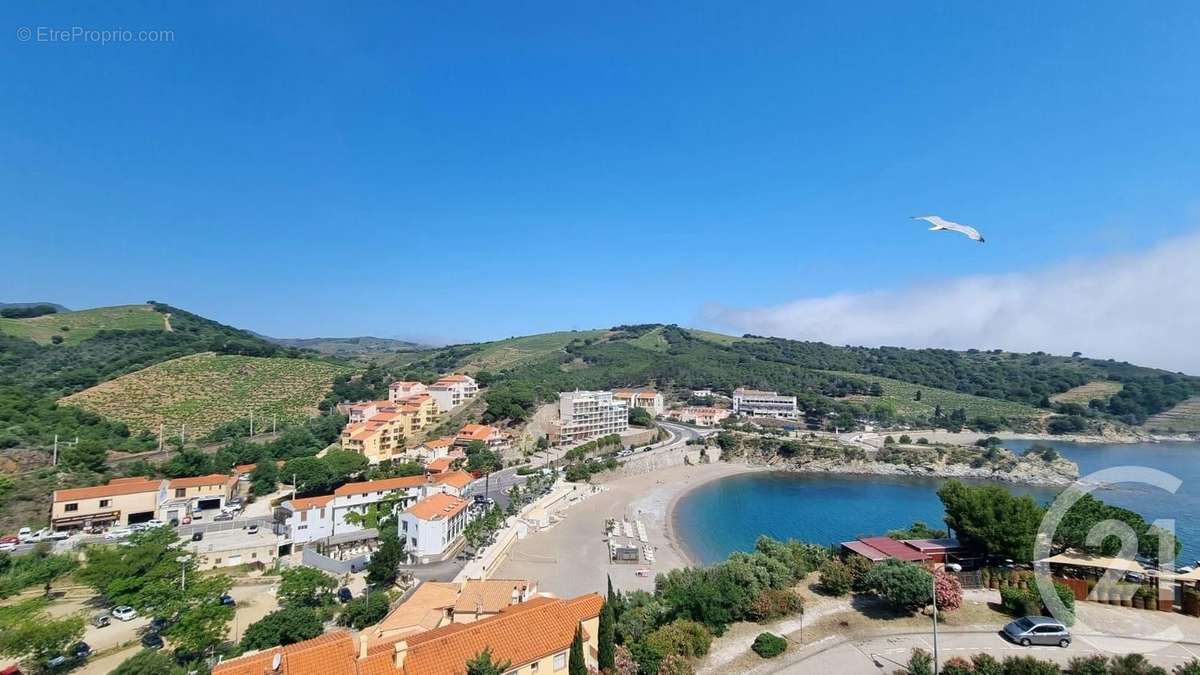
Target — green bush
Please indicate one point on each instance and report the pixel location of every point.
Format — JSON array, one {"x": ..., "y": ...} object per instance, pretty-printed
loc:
[
  {"x": 836, "y": 578},
  {"x": 774, "y": 603},
  {"x": 906, "y": 587},
  {"x": 1028, "y": 601},
  {"x": 769, "y": 646}
]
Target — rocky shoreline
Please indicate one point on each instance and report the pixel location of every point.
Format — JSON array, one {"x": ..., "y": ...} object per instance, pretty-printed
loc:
[{"x": 1025, "y": 473}]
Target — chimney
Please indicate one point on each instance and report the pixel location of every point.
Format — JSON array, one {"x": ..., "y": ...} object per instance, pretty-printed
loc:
[
  {"x": 401, "y": 652},
  {"x": 516, "y": 596},
  {"x": 362, "y": 645}
]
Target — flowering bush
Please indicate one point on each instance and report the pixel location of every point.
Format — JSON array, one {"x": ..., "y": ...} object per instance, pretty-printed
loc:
[{"x": 948, "y": 591}]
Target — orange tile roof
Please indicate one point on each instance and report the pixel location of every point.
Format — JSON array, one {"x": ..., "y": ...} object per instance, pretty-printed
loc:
[
  {"x": 439, "y": 465},
  {"x": 305, "y": 503},
  {"x": 520, "y": 634},
  {"x": 439, "y": 506},
  {"x": 443, "y": 442},
  {"x": 114, "y": 488},
  {"x": 490, "y": 595},
  {"x": 456, "y": 479},
  {"x": 424, "y": 610},
  {"x": 199, "y": 481},
  {"x": 454, "y": 378},
  {"x": 330, "y": 654},
  {"x": 477, "y": 432}
]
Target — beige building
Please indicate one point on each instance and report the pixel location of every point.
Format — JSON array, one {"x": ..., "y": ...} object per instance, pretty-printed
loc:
[
  {"x": 230, "y": 548},
  {"x": 453, "y": 390},
  {"x": 584, "y": 415},
  {"x": 648, "y": 399},
  {"x": 187, "y": 496},
  {"x": 123, "y": 501},
  {"x": 701, "y": 416},
  {"x": 481, "y": 598},
  {"x": 382, "y": 435}
]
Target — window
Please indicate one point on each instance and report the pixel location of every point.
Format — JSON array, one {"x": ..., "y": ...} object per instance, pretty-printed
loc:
[
  {"x": 180, "y": 492},
  {"x": 560, "y": 661},
  {"x": 533, "y": 667},
  {"x": 253, "y": 556},
  {"x": 104, "y": 503},
  {"x": 71, "y": 507}
]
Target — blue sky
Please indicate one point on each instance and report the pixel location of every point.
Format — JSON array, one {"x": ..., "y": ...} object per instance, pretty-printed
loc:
[{"x": 488, "y": 169}]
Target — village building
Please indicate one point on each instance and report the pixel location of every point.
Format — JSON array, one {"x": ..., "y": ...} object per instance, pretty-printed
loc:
[
  {"x": 122, "y": 501},
  {"x": 757, "y": 403},
  {"x": 452, "y": 391},
  {"x": 648, "y": 399},
  {"x": 701, "y": 416},
  {"x": 489, "y": 436},
  {"x": 433, "y": 527},
  {"x": 584, "y": 415}
]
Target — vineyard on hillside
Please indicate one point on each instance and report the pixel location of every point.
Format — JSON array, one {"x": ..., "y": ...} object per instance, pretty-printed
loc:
[
  {"x": 72, "y": 328},
  {"x": 206, "y": 390},
  {"x": 904, "y": 396}
]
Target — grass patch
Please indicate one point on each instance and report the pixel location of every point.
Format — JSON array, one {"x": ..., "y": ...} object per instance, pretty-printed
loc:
[
  {"x": 903, "y": 395},
  {"x": 207, "y": 390},
  {"x": 1084, "y": 394},
  {"x": 720, "y": 338},
  {"x": 83, "y": 324}
]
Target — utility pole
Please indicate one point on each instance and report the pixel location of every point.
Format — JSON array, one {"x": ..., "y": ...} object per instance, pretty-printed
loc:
[
  {"x": 273, "y": 420},
  {"x": 933, "y": 584},
  {"x": 54, "y": 461},
  {"x": 251, "y": 424},
  {"x": 182, "y": 435},
  {"x": 161, "y": 431}
]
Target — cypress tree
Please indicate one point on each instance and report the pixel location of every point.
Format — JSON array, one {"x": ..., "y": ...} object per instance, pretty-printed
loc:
[
  {"x": 576, "y": 665},
  {"x": 606, "y": 654}
]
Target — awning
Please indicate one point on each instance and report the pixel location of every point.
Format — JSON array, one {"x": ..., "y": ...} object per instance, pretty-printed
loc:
[
  {"x": 1096, "y": 562},
  {"x": 102, "y": 517}
]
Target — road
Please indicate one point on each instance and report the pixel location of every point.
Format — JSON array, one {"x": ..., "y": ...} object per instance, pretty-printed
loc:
[{"x": 885, "y": 654}]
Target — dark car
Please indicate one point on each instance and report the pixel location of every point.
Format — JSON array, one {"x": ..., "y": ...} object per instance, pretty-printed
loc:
[
  {"x": 157, "y": 625},
  {"x": 345, "y": 595},
  {"x": 152, "y": 641},
  {"x": 227, "y": 599},
  {"x": 197, "y": 536},
  {"x": 81, "y": 650},
  {"x": 1037, "y": 630}
]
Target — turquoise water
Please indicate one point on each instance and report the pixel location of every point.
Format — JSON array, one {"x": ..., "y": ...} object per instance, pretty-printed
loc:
[{"x": 727, "y": 515}]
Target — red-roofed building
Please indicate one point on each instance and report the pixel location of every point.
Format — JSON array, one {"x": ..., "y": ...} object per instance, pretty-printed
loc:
[
  {"x": 452, "y": 391},
  {"x": 878, "y": 549},
  {"x": 123, "y": 501},
  {"x": 534, "y": 637},
  {"x": 488, "y": 435},
  {"x": 433, "y": 527}
]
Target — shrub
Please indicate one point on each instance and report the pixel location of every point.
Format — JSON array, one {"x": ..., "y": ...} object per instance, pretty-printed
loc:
[
  {"x": 836, "y": 578},
  {"x": 1190, "y": 668},
  {"x": 986, "y": 664},
  {"x": 904, "y": 586},
  {"x": 768, "y": 645},
  {"x": 948, "y": 590},
  {"x": 1088, "y": 665},
  {"x": 1028, "y": 665},
  {"x": 958, "y": 666},
  {"x": 860, "y": 567},
  {"x": 681, "y": 637},
  {"x": 675, "y": 664},
  {"x": 920, "y": 663},
  {"x": 774, "y": 603}
]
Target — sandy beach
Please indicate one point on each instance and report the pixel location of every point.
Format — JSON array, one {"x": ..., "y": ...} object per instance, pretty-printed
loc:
[{"x": 571, "y": 557}]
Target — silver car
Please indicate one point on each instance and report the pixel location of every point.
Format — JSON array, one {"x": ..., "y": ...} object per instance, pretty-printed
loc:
[{"x": 1038, "y": 630}]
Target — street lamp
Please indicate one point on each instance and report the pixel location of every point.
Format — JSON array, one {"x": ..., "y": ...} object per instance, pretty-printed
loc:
[
  {"x": 183, "y": 560},
  {"x": 933, "y": 585}
]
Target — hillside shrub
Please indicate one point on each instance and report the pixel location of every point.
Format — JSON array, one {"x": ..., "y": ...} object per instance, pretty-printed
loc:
[
  {"x": 774, "y": 603},
  {"x": 836, "y": 578},
  {"x": 948, "y": 590},
  {"x": 904, "y": 586},
  {"x": 768, "y": 645}
]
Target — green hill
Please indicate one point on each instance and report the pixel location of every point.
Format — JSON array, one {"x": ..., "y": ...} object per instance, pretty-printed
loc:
[
  {"x": 75, "y": 327},
  {"x": 1001, "y": 389},
  {"x": 205, "y": 391}
]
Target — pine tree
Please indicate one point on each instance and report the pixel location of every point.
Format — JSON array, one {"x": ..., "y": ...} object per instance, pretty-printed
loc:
[
  {"x": 483, "y": 664},
  {"x": 606, "y": 654},
  {"x": 576, "y": 665}
]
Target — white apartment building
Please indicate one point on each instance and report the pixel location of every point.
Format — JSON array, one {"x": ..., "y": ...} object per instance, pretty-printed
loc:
[
  {"x": 310, "y": 519},
  {"x": 649, "y": 399},
  {"x": 400, "y": 391},
  {"x": 453, "y": 390},
  {"x": 433, "y": 527},
  {"x": 590, "y": 414},
  {"x": 763, "y": 404}
]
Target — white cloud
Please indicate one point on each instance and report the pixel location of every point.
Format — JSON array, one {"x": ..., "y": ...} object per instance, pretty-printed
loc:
[{"x": 1143, "y": 308}]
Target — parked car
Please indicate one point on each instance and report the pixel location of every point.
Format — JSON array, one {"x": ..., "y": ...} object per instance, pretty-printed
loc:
[
  {"x": 345, "y": 595},
  {"x": 101, "y": 620},
  {"x": 118, "y": 533},
  {"x": 25, "y": 535},
  {"x": 253, "y": 529},
  {"x": 81, "y": 650},
  {"x": 152, "y": 641},
  {"x": 59, "y": 662},
  {"x": 1038, "y": 630},
  {"x": 154, "y": 523},
  {"x": 227, "y": 599},
  {"x": 197, "y": 536},
  {"x": 157, "y": 625},
  {"x": 223, "y": 517},
  {"x": 125, "y": 613}
]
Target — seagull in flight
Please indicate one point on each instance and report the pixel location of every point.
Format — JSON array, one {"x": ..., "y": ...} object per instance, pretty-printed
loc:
[{"x": 940, "y": 223}]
